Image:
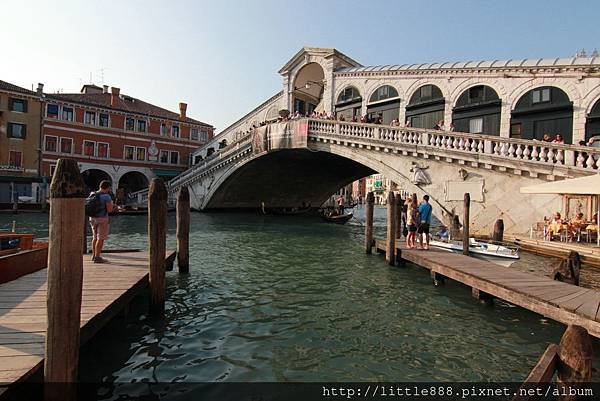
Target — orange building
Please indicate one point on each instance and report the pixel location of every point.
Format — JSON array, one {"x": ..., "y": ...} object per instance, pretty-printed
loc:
[{"x": 118, "y": 137}]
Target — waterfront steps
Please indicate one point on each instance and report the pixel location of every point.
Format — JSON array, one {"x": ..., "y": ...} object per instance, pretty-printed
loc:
[
  {"x": 565, "y": 303},
  {"x": 107, "y": 289}
]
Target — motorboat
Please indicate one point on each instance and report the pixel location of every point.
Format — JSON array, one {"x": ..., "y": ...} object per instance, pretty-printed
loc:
[{"x": 502, "y": 253}]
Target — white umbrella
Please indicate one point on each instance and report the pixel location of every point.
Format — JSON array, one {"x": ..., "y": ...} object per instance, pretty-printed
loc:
[{"x": 589, "y": 185}]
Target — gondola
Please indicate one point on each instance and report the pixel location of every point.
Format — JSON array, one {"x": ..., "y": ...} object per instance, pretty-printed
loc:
[
  {"x": 337, "y": 219},
  {"x": 287, "y": 211}
]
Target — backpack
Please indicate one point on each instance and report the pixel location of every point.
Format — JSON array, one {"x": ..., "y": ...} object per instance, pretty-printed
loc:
[{"x": 93, "y": 204}]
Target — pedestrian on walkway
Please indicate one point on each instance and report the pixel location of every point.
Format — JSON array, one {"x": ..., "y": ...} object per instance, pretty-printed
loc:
[
  {"x": 98, "y": 205},
  {"x": 425, "y": 210}
]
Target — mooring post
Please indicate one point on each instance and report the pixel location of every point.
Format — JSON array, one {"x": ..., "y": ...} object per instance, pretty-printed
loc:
[
  {"x": 157, "y": 238},
  {"x": 65, "y": 280},
  {"x": 575, "y": 365},
  {"x": 85, "y": 225},
  {"x": 467, "y": 207},
  {"x": 183, "y": 230},
  {"x": 498, "y": 234},
  {"x": 390, "y": 254},
  {"x": 369, "y": 222}
]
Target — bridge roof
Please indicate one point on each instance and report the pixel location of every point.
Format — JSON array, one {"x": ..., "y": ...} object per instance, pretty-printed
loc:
[
  {"x": 321, "y": 51},
  {"x": 536, "y": 62}
]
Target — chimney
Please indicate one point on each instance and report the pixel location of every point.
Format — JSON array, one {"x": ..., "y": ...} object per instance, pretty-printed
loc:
[
  {"x": 114, "y": 96},
  {"x": 104, "y": 88},
  {"x": 182, "y": 110},
  {"x": 40, "y": 88}
]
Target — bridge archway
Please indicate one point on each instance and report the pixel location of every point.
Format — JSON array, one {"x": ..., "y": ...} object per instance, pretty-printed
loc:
[
  {"x": 425, "y": 107},
  {"x": 348, "y": 103},
  {"x": 92, "y": 178},
  {"x": 133, "y": 181},
  {"x": 544, "y": 109},
  {"x": 384, "y": 103},
  {"x": 592, "y": 122},
  {"x": 477, "y": 111},
  {"x": 308, "y": 85}
]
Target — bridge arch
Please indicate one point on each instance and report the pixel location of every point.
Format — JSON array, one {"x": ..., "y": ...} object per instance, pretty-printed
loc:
[
  {"x": 384, "y": 101},
  {"x": 426, "y": 106},
  {"x": 477, "y": 110},
  {"x": 308, "y": 85},
  {"x": 133, "y": 181},
  {"x": 348, "y": 102},
  {"x": 540, "y": 110}
]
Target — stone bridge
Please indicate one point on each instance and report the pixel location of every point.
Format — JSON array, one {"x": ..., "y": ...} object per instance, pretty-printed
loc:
[{"x": 306, "y": 160}]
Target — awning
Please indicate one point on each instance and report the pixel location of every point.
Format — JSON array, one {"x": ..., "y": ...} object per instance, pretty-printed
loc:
[
  {"x": 165, "y": 173},
  {"x": 589, "y": 185}
]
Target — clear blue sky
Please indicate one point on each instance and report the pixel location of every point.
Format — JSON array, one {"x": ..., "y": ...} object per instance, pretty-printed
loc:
[{"x": 222, "y": 56}]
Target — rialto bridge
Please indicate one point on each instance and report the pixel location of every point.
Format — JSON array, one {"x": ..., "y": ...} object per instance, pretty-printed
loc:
[{"x": 498, "y": 110}]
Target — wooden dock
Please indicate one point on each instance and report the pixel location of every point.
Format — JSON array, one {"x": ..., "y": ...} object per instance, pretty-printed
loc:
[
  {"x": 107, "y": 289},
  {"x": 565, "y": 303}
]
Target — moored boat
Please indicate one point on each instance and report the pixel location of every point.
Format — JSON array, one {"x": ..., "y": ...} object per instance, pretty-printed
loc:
[
  {"x": 20, "y": 255},
  {"x": 495, "y": 252}
]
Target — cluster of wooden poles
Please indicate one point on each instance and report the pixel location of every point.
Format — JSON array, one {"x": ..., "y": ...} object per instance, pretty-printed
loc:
[{"x": 65, "y": 264}]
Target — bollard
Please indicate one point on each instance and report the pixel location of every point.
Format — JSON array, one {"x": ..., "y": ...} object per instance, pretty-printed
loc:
[
  {"x": 183, "y": 230},
  {"x": 390, "y": 254},
  {"x": 467, "y": 206},
  {"x": 575, "y": 366},
  {"x": 498, "y": 234},
  {"x": 65, "y": 281},
  {"x": 157, "y": 239},
  {"x": 369, "y": 222}
]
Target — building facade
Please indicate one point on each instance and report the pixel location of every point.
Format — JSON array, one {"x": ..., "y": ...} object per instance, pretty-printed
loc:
[
  {"x": 118, "y": 137},
  {"x": 20, "y": 158}
]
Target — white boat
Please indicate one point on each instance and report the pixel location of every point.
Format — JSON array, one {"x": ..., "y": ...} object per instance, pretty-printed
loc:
[{"x": 503, "y": 254}]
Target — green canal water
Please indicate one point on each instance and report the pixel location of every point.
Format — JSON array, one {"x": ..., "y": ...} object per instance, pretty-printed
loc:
[{"x": 276, "y": 298}]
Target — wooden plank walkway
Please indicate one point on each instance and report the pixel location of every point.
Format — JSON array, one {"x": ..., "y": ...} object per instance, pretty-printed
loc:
[
  {"x": 107, "y": 289},
  {"x": 565, "y": 303}
]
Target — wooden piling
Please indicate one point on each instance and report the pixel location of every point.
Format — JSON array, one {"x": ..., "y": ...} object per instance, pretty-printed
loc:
[
  {"x": 85, "y": 225},
  {"x": 369, "y": 222},
  {"x": 183, "y": 230},
  {"x": 482, "y": 296},
  {"x": 467, "y": 207},
  {"x": 498, "y": 234},
  {"x": 390, "y": 254},
  {"x": 65, "y": 280},
  {"x": 157, "y": 238},
  {"x": 575, "y": 365},
  {"x": 437, "y": 278}
]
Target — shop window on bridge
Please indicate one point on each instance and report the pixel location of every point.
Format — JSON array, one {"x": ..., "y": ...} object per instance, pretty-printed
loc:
[
  {"x": 544, "y": 110},
  {"x": 385, "y": 104},
  {"x": 426, "y": 107},
  {"x": 478, "y": 111},
  {"x": 348, "y": 103},
  {"x": 592, "y": 122}
]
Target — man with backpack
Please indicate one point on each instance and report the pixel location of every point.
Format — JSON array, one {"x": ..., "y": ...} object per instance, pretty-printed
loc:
[{"x": 97, "y": 206}]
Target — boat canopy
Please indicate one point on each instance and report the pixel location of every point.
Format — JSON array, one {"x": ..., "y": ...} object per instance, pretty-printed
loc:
[{"x": 589, "y": 185}]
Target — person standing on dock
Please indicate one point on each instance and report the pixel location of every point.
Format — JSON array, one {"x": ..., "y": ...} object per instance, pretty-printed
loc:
[
  {"x": 103, "y": 205},
  {"x": 425, "y": 210}
]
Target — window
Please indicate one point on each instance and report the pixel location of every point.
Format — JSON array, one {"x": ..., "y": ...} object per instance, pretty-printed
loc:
[
  {"x": 66, "y": 145},
  {"x": 67, "y": 113},
  {"x": 164, "y": 156},
  {"x": 476, "y": 125},
  {"x": 89, "y": 118},
  {"x": 128, "y": 152},
  {"x": 349, "y": 94},
  {"x": 383, "y": 92},
  {"x": 541, "y": 95},
  {"x": 194, "y": 134},
  {"x": 426, "y": 92},
  {"x": 103, "y": 119},
  {"x": 52, "y": 111},
  {"x": 89, "y": 148},
  {"x": 103, "y": 149},
  {"x": 175, "y": 131},
  {"x": 174, "y": 157},
  {"x": 140, "y": 154},
  {"x": 141, "y": 126},
  {"x": 476, "y": 94},
  {"x": 163, "y": 129},
  {"x": 18, "y": 105},
  {"x": 16, "y": 130},
  {"x": 129, "y": 123},
  {"x": 52, "y": 168},
  {"x": 50, "y": 143},
  {"x": 203, "y": 135},
  {"x": 15, "y": 159}
]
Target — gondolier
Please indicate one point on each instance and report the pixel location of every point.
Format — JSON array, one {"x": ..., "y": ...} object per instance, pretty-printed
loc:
[{"x": 340, "y": 203}]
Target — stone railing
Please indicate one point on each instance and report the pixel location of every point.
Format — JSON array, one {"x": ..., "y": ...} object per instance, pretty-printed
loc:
[{"x": 456, "y": 143}]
